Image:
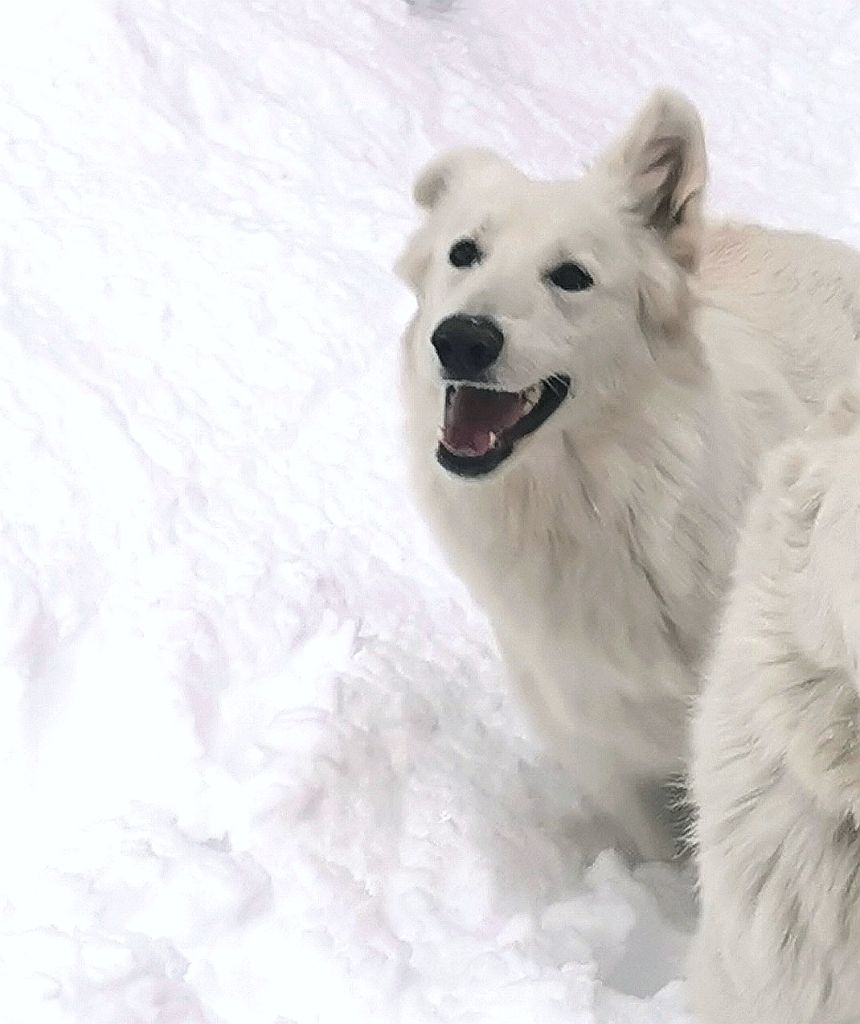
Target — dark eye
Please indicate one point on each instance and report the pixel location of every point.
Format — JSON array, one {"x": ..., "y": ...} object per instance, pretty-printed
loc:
[
  {"x": 570, "y": 277},
  {"x": 464, "y": 253}
]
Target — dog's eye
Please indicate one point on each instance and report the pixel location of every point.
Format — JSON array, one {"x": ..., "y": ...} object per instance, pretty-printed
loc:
[
  {"x": 464, "y": 253},
  {"x": 570, "y": 277}
]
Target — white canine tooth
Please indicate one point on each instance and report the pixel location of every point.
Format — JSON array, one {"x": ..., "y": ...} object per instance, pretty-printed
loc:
[{"x": 493, "y": 439}]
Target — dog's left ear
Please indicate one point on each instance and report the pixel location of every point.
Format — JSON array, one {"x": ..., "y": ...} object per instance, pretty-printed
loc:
[{"x": 663, "y": 168}]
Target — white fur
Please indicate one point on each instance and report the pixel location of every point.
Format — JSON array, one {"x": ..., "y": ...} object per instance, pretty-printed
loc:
[
  {"x": 777, "y": 761},
  {"x": 601, "y": 549}
]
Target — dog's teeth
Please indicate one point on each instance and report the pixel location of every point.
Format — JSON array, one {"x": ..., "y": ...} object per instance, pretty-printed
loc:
[
  {"x": 531, "y": 395},
  {"x": 493, "y": 439}
]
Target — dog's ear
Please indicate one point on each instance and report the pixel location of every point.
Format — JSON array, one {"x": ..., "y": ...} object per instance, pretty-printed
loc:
[
  {"x": 663, "y": 168},
  {"x": 443, "y": 174},
  {"x": 412, "y": 264},
  {"x": 439, "y": 178}
]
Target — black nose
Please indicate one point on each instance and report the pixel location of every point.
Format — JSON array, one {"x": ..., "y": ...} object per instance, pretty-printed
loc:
[{"x": 467, "y": 345}]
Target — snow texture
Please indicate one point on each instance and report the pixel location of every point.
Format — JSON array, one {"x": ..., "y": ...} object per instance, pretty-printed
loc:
[{"x": 259, "y": 762}]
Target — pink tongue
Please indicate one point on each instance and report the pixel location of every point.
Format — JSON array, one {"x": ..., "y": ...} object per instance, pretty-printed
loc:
[{"x": 472, "y": 414}]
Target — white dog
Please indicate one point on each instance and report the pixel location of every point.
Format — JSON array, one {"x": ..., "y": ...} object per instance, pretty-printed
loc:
[
  {"x": 591, "y": 379},
  {"x": 777, "y": 759}
]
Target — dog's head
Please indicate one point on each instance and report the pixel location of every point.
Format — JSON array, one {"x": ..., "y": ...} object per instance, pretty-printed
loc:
[{"x": 538, "y": 301}]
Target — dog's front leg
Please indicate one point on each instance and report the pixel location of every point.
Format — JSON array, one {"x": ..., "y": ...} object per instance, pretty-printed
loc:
[
  {"x": 635, "y": 809},
  {"x": 628, "y": 810}
]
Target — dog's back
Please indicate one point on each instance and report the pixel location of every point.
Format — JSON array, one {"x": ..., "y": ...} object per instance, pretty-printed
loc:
[{"x": 799, "y": 293}]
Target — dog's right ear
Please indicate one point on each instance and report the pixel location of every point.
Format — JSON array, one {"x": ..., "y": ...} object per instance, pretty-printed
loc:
[
  {"x": 440, "y": 178},
  {"x": 442, "y": 175}
]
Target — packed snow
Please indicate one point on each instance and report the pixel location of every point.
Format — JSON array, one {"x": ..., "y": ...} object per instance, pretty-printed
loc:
[{"x": 260, "y": 764}]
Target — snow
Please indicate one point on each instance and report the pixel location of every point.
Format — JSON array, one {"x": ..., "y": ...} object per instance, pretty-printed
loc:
[{"x": 259, "y": 764}]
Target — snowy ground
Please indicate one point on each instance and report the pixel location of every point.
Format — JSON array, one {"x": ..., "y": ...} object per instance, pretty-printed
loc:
[{"x": 259, "y": 765}]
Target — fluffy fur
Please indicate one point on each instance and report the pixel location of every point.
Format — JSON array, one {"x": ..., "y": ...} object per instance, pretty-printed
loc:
[
  {"x": 602, "y": 547},
  {"x": 777, "y": 761}
]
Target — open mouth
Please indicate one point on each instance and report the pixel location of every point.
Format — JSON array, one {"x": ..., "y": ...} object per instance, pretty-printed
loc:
[{"x": 482, "y": 426}]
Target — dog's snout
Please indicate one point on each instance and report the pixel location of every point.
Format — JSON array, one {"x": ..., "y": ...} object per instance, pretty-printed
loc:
[{"x": 467, "y": 345}]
